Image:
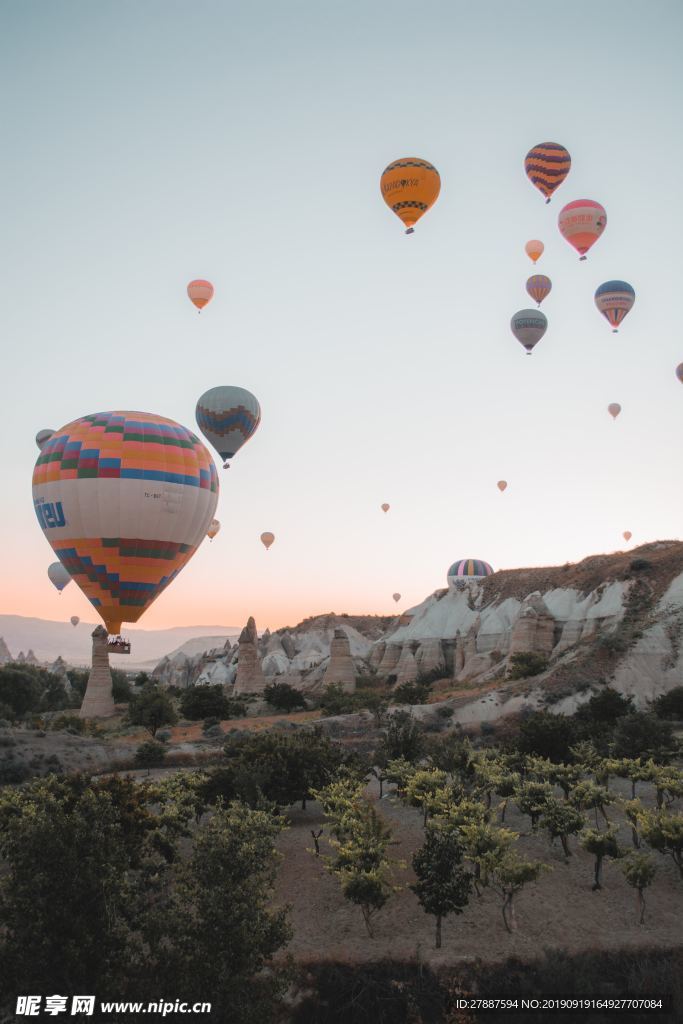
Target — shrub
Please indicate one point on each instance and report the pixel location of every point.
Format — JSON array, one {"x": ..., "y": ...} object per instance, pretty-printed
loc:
[
  {"x": 284, "y": 697},
  {"x": 669, "y": 705},
  {"x": 644, "y": 735},
  {"x": 546, "y": 735},
  {"x": 151, "y": 708},
  {"x": 120, "y": 686},
  {"x": 71, "y": 722},
  {"x": 526, "y": 664},
  {"x": 640, "y": 565},
  {"x": 150, "y": 754},
  {"x": 335, "y": 702},
  {"x": 411, "y": 693},
  {"x": 204, "y": 702}
]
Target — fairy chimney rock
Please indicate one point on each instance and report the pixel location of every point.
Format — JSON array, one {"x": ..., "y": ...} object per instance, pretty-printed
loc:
[
  {"x": 392, "y": 652},
  {"x": 5, "y": 655},
  {"x": 250, "y": 678},
  {"x": 341, "y": 670},
  {"x": 98, "y": 701},
  {"x": 406, "y": 669},
  {"x": 534, "y": 630}
]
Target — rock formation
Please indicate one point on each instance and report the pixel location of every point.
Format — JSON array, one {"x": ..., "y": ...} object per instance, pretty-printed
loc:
[
  {"x": 406, "y": 669},
  {"x": 98, "y": 701},
  {"x": 390, "y": 658},
  {"x": 5, "y": 655},
  {"x": 430, "y": 656},
  {"x": 341, "y": 670},
  {"x": 250, "y": 678},
  {"x": 30, "y": 658},
  {"x": 534, "y": 630}
]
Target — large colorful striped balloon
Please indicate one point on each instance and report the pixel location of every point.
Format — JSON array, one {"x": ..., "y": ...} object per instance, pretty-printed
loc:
[
  {"x": 614, "y": 299},
  {"x": 468, "y": 569},
  {"x": 227, "y": 417},
  {"x": 528, "y": 327},
  {"x": 582, "y": 222},
  {"x": 546, "y": 166},
  {"x": 200, "y": 293},
  {"x": 124, "y": 499},
  {"x": 410, "y": 186},
  {"x": 539, "y": 287}
]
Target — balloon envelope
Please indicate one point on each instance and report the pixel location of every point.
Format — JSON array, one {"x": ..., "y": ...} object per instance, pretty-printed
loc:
[
  {"x": 546, "y": 166},
  {"x": 267, "y": 539},
  {"x": 627, "y": 534},
  {"x": 534, "y": 249},
  {"x": 539, "y": 287},
  {"x": 396, "y": 597},
  {"x": 227, "y": 417},
  {"x": 74, "y": 620},
  {"x": 467, "y": 568},
  {"x": 385, "y": 507},
  {"x": 614, "y": 409},
  {"x": 124, "y": 499},
  {"x": 501, "y": 485},
  {"x": 200, "y": 292},
  {"x": 528, "y": 327},
  {"x": 410, "y": 186},
  {"x": 582, "y": 222},
  {"x": 214, "y": 527},
  {"x": 679, "y": 372},
  {"x": 614, "y": 299},
  {"x": 42, "y": 437},
  {"x": 58, "y": 576}
]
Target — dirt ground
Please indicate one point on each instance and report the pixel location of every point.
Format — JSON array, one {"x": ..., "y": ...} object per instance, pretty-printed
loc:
[{"x": 559, "y": 911}]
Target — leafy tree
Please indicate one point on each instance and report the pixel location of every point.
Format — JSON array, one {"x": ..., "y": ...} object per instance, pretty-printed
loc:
[
  {"x": 663, "y": 831},
  {"x": 421, "y": 787},
  {"x": 142, "y": 679},
  {"x": 531, "y": 798},
  {"x": 402, "y": 738},
  {"x": 199, "y": 702},
  {"x": 547, "y": 735},
  {"x": 560, "y": 820},
  {"x": 217, "y": 933},
  {"x": 151, "y": 708},
  {"x": 526, "y": 664},
  {"x": 634, "y": 810},
  {"x": 443, "y": 885},
  {"x": 20, "y": 688},
  {"x": 643, "y": 735},
  {"x": 416, "y": 692},
  {"x": 589, "y": 796},
  {"x": 485, "y": 846},
  {"x": 284, "y": 697},
  {"x": 120, "y": 686},
  {"x": 635, "y": 770},
  {"x": 335, "y": 701},
  {"x": 453, "y": 754},
  {"x": 601, "y": 845},
  {"x": 603, "y": 708},
  {"x": 150, "y": 754},
  {"x": 639, "y": 872},
  {"x": 669, "y": 705},
  {"x": 508, "y": 876},
  {"x": 79, "y": 680}
]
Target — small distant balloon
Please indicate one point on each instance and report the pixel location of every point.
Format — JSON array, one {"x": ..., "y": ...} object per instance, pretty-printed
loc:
[
  {"x": 214, "y": 527},
  {"x": 74, "y": 620},
  {"x": 385, "y": 507},
  {"x": 627, "y": 535},
  {"x": 534, "y": 249},
  {"x": 539, "y": 287},
  {"x": 679, "y": 372},
  {"x": 615, "y": 299},
  {"x": 227, "y": 417},
  {"x": 528, "y": 327},
  {"x": 546, "y": 166},
  {"x": 58, "y": 576},
  {"x": 614, "y": 409},
  {"x": 582, "y": 222},
  {"x": 267, "y": 539},
  {"x": 396, "y": 597},
  {"x": 501, "y": 485},
  {"x": 200, "y": 293},
  {"x": 42, "y": 437},
  {"x": 409, "y": 187}
]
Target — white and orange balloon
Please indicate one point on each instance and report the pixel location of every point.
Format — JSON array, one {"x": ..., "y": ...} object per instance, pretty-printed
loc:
[
  {"x": 200, "y": 293},
  {"x": 267, "y": 539}
]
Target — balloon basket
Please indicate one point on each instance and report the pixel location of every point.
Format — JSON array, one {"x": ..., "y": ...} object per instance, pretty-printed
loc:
[
  {"x": 410, "y": 231},
  {"x": 547, "y": 201},
  {"x": 117, "y": 645},
  {"x": 582, "y": 258}
]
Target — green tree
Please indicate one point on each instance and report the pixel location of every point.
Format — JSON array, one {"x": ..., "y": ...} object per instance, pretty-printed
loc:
[
  {"x": 589, "y": 796},
  {"x": 20, "y": 688},
  {"x": 402, "y": 738},
  {"x": 422, "y": 786},
  {"x": 284, "y": 697},
  {"x": 151, "y": 708},
  {"x": 663, "y": 831},
  {"x": 526, "y": 664},
  {"x": 547, "y": 735},
  {"x": 199, "y": 702},
  {"x": 531, "y": 798},
  {"x": 508, "y": 875},
  {"x": 443, "y": 885},
  {"x": 150, "y": 754},
  {"x": 639, "y": 872},
  {"x": 643, "y": 735},
  {"x": 601, "y": 845},
  {"x": 120, "y": 687},
  {"x": 560, "y": 820},
  {"x": 670, "y": 705}
]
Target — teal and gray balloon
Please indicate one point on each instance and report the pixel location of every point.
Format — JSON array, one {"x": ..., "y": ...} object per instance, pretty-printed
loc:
[
  {"x": 42, "y": 437},
  {"x": 528, "y": 327},
  {"x": 227, "y": 417},
  {"x": 58, "y": 576}
]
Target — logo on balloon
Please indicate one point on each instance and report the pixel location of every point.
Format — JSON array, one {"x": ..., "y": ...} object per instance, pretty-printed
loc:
[{"x": 50, "y": 513}]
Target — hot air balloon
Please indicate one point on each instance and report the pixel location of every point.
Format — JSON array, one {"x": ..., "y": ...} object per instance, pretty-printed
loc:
[
  {"x": 385, "y": 507},
  {"x": 200, "y": 293},
  {"x": 124, "y": 499},
  {"x": 546, "y": 166},
  {"x": 409, "y": 187},
  {"x": 614, "y": 299},
  {"x": 679, "y": 372},
  {"x": 74, "y": 620},
  {"x": 227, "y": 417},
  {"x": 267, "y": 539},
  {"x": 42, "y": 437},
  {"x": 214, "y": 527},
  {"x": 539, "y": 287},
  {"x": 582, "y": 222},
  {"x": 534, "y": 249},
  {"x": 59, "y": 576},
  {"x": 396, "y": 597},
  {"x": 501, "y": 485},
  {"x": 614, "y": 409},
  {"x": 627, "y": 535},
  {"x": 528, "y": 327},
  {"x": 467, "y": 569}
]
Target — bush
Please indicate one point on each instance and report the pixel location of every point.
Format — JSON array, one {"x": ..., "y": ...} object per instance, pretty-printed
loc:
[
  {"x": 284, "y": 697},
  {"x": 546, "y": 735},
  {"x": 640, "y": 565},
  {"x": 411, "y": 693},
  {"x": 71, "y": 722},
  {"x": 403, "y": 738},
  {"x": 120, "y": 686},
  {"x": 335, "y": 702},
  {"x": 204, "y": 702},
  {"x": 150, "y": 754},
  {"x": 526, "y": 664},
  {"x": 669, "y": 705},
  {"x": 151, "y": 708},
  {"x": 644, "y": 735},
  {"x": 21, "y": 689}
]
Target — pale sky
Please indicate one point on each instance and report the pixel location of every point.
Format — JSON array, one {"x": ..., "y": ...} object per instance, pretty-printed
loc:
[{"x": 149, "y": 143}]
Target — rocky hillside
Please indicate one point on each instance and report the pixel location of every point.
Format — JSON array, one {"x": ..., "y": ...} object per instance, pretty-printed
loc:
[{"x": 610, "y": 618}]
